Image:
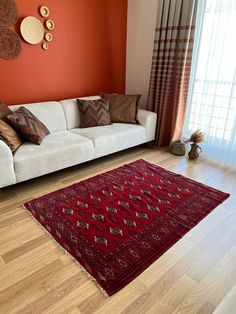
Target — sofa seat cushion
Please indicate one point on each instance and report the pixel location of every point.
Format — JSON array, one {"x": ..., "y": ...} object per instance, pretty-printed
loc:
[
  {"x": 58, "y": 150},
  {"x": 111, "y": 138}
]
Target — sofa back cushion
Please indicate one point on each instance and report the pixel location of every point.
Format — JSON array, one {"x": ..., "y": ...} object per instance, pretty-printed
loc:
[
  {"x": 71, "y": 110},
  {"x": 50, "y": 113}
]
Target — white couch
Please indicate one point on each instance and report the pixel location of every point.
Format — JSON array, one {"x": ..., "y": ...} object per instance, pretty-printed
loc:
[{"x": 67, "y": 144}]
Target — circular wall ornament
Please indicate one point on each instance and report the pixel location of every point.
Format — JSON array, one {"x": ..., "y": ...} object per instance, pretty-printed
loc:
[
  {"x": 45, "y": 46},
  {"x": 44, "y": 11},
  {"x": 50, "y": 25},
  {"x": 48, "y": 37},
  {"x": 32, "y": 30},
  {"x": 8, "y": 12},
  {"x": 9, "y": 44}
]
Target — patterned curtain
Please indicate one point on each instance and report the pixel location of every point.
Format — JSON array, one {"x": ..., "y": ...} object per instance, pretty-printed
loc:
[{"x": 171, "y": 65}]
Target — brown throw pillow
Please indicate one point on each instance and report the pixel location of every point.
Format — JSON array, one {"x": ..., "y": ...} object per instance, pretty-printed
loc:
[
  {"x": 4, "y": 111},
  {"x": 123, "y": 108},
  {"x": 93, "y": 113},
  {"x": 30, "y": 127},
  {"x": 9, "y": 136}
]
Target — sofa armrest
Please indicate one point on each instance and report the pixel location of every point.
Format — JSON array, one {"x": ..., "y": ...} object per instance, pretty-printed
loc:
[
  {"x": 148, "y": 119},
  {"x": 7, "y": 173}
]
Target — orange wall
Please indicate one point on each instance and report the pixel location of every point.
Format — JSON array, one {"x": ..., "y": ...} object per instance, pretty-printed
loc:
[{"x": 86, "y": 56}]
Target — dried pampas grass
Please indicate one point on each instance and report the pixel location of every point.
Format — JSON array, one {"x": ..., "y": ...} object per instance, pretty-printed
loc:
[{"x": 197, "y": 137}]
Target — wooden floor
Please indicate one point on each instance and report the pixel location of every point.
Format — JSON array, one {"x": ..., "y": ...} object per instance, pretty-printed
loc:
[{"x": 191, "y": 277}]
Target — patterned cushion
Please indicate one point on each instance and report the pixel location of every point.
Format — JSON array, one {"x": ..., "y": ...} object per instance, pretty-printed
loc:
[
  {"x": 30, "y": 127},
  {"x": 9, "y": 136},
  {"x": 94, "y": 113},
  {"x": 123, "y": 108},
  {"x": 4, "y": 111}
]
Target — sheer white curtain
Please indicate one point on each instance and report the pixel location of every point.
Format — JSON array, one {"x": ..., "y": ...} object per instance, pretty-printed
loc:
[{"x": 212, "y": 96}]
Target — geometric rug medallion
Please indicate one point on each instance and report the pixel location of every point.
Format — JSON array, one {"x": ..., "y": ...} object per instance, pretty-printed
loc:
[{"x": 118, "y": 223}]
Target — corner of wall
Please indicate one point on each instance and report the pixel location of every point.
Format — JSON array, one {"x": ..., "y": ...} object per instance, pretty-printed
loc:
[{"x": 141, "y": 23}]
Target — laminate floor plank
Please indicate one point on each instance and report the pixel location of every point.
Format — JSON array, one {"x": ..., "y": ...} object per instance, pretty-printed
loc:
[{"x": 192, "y": 277}]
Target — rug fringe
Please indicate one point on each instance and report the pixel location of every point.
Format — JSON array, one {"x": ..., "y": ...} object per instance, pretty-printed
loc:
[{"x": 66, "y": 252}]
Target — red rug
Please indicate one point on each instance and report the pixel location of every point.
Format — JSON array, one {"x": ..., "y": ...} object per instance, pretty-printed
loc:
[{"x": 116, "y": 224}]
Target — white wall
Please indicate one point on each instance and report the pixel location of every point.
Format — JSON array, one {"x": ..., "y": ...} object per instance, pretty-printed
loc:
[{"x": 140, "y": 36}]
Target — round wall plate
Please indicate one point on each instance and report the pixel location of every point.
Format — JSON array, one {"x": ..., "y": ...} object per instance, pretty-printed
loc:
[
  {"x": 45, "y": 46},
  {"x": 8, "y": 12},
  {"x": 10, "y": 44},
  {"x": 44, "y": 11},
  {"x": 32, "y": 30},
  {"x": 50, "y": 25},
  {"x": 48, "y": 37}
]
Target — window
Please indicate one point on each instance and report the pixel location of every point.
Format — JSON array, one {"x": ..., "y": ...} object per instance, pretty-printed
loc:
[{"x": 212, "y": 96}]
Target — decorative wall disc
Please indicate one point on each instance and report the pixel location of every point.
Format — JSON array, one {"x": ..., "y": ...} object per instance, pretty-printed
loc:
[
  {"x": 9, "y": 44},
  {"x": 50, "y": 25},
  {"x": 32, "y": 30},
  {"x": 45, "y": 46},
  {"x": 8, "y": 12},
  {"x": 44, "y": 11},
  {"x": 48, "y": 37}
]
